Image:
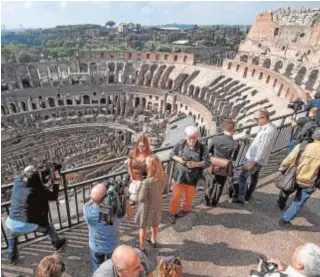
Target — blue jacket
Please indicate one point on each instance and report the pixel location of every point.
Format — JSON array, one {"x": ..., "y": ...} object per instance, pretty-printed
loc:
[{"x": 29, "y": 201}]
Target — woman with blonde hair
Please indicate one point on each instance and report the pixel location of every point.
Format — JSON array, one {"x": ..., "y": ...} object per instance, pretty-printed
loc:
[
  {"x": 50, "y": 266},
  {"x": 150, "y": 192},
  {"x": 137, "y": 168}
]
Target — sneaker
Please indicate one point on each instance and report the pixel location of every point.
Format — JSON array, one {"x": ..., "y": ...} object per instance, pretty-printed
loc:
[
  {"x": 237, "y": 201},
  {"x": 172, "y": 219},
  {"x": 59, "y": 245},
  {"x": 12, "y": 261},
  {"x": 284, "y": 223},
  {"x": 181, "y": 214},
  {"x": 154, "y": 244}
]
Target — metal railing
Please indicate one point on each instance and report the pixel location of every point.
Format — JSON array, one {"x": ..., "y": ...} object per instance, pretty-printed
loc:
[{"x": 67, "y": 210}]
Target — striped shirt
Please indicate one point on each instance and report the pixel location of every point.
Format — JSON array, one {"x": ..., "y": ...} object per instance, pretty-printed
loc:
[{"x": 260, "y": 149}]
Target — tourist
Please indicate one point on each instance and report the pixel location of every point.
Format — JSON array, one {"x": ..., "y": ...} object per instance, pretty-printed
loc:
[
  {"x": 307, "y": 177},
  {"x": 191, "y": 157},
  {"x": 221, "y": 146},
  {"x": 305, "y": 262},
  {"x": 50, "y": 266},
  {"x": 256, "y": 156},
  {"x": 314, "y": 103},
  {"x": 137, "y": 168},
  {"x": 126, "y": 262},
  {"x": 149, "y": 211},
  {"x": 29, "y": 209},
  {"x": 103, "y": 238}
]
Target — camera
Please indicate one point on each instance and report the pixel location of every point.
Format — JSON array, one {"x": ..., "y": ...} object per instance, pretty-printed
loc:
[
  {"x": 46, "y": 170},
  {"x": 114, "y": 202},
  {"x": 296, "y": 105},
  {"x": 267, "y": 267}
]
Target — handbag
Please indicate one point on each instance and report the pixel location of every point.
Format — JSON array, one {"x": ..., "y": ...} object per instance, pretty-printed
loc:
[
  {"x": 170, "y": 267},
  {"x": 287, "y": 181},
  {"x": 221, "y": 166},
  {"x": 134, "y": 187}
]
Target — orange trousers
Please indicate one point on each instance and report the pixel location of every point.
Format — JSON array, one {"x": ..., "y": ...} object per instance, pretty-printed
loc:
[{"x": 177, "y": 192}]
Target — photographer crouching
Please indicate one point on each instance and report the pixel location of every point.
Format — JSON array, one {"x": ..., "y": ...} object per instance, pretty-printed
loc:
[
  {"x": 305, "y": 262},
  {"x": 29, "y": 207},
  {"x": 103, "y": 213}
]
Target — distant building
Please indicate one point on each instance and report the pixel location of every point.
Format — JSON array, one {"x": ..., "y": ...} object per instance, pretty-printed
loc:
[{"x": 123, "y": 28}]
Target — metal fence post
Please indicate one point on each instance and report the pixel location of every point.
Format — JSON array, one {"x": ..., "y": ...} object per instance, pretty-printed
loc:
[{"x": 66, "y": 198}]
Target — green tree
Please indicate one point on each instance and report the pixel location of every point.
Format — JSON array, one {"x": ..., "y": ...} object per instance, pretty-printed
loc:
[{"x": 110, "y": 23}]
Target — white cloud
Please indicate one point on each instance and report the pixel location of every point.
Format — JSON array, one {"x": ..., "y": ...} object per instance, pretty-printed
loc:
[
  {"x": 146, "y": 10},
  {"x": 28, "y": 4}
]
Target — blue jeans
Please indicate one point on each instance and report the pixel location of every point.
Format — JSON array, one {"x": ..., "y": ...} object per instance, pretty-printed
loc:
[
  {"x": 291, "y": 146},
  {"x": 98, "y": 258},
  {"x": 245, "y": 193},
  {"x": 302, "y": 195},
  {"x": 13, "y": 239}
]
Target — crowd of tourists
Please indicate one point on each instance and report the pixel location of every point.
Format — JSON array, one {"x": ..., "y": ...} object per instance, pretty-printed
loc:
[{"x": 194, "y": 160}]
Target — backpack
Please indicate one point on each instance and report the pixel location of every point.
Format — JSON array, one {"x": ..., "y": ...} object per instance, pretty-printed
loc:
[{"x": 307, "y": 131}]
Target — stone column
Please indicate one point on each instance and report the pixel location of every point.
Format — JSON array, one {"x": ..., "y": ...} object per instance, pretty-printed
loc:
[
  {"x": 49, "y": 76},
  {"x": 59, "y": 76},
  {"x": 88, "y": 64},
  {"x": 107, "y": 74},
  {"x": 30, "y": 79},
  {"x": 174, "y": 103},
  {"x": 19, "y": 79}
]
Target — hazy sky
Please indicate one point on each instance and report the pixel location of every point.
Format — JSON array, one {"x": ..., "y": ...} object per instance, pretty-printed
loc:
[{"x": 49, "y": 14}]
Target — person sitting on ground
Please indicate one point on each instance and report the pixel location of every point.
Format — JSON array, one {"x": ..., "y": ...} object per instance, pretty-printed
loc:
[
  {"x": 137, "y": 168},
  {"x": 29, "y": 209},
  {"x": 50, "y": 266},
  {"x": 191, "y": 157},
  {"x": 221, "y": 146},
  {"x": 305, "y": 262},
  {"x": 150, "y": 192},
  {"x": 127, "y": 261},
  {"x": 307, "y": 177},
  {"x": 103, "y": 238}
]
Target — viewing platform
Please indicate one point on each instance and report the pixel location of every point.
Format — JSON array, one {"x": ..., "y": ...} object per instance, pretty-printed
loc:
[{"x": 221, "y": 241}]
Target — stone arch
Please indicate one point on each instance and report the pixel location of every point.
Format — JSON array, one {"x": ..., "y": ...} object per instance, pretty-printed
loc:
[
  {"x": 23, "y": 106},
  {"x": 86, "y": 100},
  {"x": 51, "y": 102},
  {"x": 256, "y": 60},
  {"x": 103, "y": 101},
  {"x": 245, "y": 72},
  {"x": 312, "y": 79},
  {"x": 266, "y": 63},
  {"x": 26, "y": 82},
  {"x": 197, "y": 92},
  {"x": 191, "y": 89},
  {"x": 69, "y": 102},
  {"x": 4, "y": 110},
  {"x": 13, "y": 107},
  {"x": 169, "y": 107},
  {"x": 42, "y": 104},
  {"x": 278, "y": 66},
  {"x": 149, "y": 106},
  {"x": 93, "y": 67},
  {"x": 83, "y": 68},
  {"x": 229, "y": 65},
  {"x": 136, "y": 102},
  {"x": 170, "y": 83},
  {"x": 60, "y": 102},
  {"x": 33, "y": 105},
  {"x": 288, "y": 71},
  {"x": 300, "y": 75},
  {"x": 144, "y": 102},
  {"x": 244, "y": 58}
]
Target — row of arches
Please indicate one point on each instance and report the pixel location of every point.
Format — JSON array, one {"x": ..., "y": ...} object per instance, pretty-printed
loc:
[{"x": 300, "y": 77}]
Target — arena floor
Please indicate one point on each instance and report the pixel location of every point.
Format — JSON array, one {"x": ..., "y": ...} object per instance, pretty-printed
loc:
[{"x": 221, "y": 241}]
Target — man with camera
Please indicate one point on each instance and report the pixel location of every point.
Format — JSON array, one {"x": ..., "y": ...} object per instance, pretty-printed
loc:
[
  {"x": 305, "y": 262},
  {"x": 103, "y": 234},
  {"x": 305, "y": 127},
  {"x": 29, "y": 207},
  {"x": 126, "y": 261},
  {"x": 307, "y": 177}
]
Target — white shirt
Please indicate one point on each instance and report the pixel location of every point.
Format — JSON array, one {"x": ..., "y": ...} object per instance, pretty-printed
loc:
[{"x": 262, "y": 145}]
